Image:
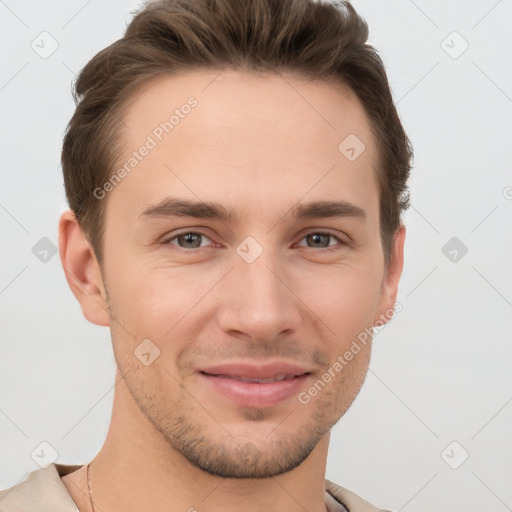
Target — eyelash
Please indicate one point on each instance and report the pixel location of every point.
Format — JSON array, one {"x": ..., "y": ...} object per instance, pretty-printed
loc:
[{"x": 323, "y": 249}]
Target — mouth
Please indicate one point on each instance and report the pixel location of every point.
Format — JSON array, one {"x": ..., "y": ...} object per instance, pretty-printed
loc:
[
  {"x": 241, "y": 378},
  {"x": 259, "y": 392}
]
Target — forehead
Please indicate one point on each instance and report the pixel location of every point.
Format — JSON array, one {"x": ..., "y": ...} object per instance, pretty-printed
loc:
[
  {"x": 275, "y": 101},
  {"x": 265, "y": 137}
]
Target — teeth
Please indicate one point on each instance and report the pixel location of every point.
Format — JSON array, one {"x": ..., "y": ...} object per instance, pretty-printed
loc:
[{"x": 270, "y": 379}]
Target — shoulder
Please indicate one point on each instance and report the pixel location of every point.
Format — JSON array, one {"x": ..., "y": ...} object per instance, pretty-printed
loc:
[
  {"x": 352, "y": 501},
  {"x": 41, "y": 490}
]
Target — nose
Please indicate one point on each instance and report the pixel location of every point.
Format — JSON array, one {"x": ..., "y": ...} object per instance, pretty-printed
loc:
[{"x": 259, "y": 300}]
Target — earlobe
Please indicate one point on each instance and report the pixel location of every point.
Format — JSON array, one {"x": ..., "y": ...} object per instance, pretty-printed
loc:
[
  {"x": 391, "y": 278},
  {"x": 82, "y": 270}
]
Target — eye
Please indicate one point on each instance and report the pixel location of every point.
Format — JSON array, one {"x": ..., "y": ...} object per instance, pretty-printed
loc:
[
  {"x": 320, "y": 239},
  {"x": 187, "y": 239}
]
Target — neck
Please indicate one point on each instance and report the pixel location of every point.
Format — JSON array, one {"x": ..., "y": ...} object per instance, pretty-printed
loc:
[{"x": 136, "y": 469}]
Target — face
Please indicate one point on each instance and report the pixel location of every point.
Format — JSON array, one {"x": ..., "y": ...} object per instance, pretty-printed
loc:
[{"x": 272, "y": 282}]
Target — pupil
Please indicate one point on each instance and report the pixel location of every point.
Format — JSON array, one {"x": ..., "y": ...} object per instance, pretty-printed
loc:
[
  {"x": 316, "y": 238},
  {"x": 190, "y": 238}
]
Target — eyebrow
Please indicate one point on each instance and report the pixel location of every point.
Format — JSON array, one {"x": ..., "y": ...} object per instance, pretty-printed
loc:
[{"x": 175, "y": 207}]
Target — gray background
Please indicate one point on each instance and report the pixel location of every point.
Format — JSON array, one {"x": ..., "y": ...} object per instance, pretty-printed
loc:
[{"x": 440, "y": 371}]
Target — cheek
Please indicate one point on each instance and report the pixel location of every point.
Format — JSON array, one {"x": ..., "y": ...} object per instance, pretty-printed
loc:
[
  {"x": 157, "y": 303},
  {"x": 344, "y": 297}
]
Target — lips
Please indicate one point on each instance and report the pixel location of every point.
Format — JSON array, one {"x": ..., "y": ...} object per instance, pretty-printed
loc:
[
  {"x": 271, "y": 370},
  {"x": 256, "y": 386},
  {"x": 277, "y": 378}
]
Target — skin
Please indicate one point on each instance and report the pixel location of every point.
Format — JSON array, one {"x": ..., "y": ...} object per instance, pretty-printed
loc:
[{"x": 257, "y": 144}]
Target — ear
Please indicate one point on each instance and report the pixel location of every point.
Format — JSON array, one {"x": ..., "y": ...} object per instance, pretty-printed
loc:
[
  {"x": 391, "y": 278},
  {"x": 82, "y": 270}
]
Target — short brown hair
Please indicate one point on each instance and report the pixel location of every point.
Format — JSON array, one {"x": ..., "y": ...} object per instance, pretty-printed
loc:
[{"x": 314, "y": 40}]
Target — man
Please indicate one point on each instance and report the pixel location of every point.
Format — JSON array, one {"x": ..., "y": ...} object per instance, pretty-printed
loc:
[{"x": 235, "y": 173}]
